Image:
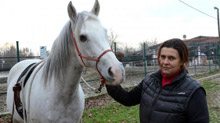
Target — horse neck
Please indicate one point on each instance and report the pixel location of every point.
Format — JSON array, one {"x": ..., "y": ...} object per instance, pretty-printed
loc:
[
  {"x": 63, "y": 66},
  {"x": 70, "y": 81}
]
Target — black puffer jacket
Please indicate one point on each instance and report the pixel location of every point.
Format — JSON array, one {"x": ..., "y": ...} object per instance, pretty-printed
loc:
[{"x": 170, "y": 104}]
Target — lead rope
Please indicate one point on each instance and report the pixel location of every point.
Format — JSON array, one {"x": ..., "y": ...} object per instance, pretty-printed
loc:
[
  {"x": 87, "y": 84},
  {"x": 97, "y": 90},
  {"x": 102, "y": 83}
]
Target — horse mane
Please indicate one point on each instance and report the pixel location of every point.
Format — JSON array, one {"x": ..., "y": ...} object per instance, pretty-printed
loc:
[{"x": 60, "y": 54}]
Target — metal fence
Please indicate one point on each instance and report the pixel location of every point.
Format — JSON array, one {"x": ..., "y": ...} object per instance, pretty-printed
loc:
[
  {"x": 203, "y": 58},
  {"x": 6, "y": 63}
]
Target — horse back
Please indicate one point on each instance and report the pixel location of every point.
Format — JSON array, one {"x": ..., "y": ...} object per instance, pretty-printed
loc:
[
  {"x": 17, "y": 69},
  {"x": 13, "y": 76}
]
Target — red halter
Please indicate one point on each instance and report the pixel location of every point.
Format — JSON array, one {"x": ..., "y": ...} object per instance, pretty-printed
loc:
[{"x": 102, "y": 79}]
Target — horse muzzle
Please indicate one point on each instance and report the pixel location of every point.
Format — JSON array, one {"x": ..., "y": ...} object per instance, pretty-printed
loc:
[{"x": 115, "y": 74}]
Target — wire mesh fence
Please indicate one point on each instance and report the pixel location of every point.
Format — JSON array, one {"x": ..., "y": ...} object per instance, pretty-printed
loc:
[{"x": 203, "y": 58}]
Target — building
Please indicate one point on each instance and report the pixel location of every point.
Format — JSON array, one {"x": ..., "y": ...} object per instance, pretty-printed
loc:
[{"x": 202, "y": 51}]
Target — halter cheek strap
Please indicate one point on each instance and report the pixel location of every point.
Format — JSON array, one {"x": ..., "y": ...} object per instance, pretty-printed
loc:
[{"x": 92, "y": 59}]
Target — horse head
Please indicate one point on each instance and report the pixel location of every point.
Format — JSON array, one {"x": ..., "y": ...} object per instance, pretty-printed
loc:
[{"x": 92, "y": 45}]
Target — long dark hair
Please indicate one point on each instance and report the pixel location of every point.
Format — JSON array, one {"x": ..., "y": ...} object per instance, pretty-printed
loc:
[{"x": 178, "y": 45}]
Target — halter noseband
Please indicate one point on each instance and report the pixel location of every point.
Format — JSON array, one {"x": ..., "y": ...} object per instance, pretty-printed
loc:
[{"x": 102, "y": 79}]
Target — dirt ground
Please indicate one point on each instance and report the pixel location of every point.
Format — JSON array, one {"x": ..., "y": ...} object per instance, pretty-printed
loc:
[
  {"x": 89, "y": 93},
  {"x": 133, "y": 78},
  {"x": 92, "y": 99},
  {"x": 104, "y": 100},
  {"x": 3, "y": 88},
  {"x": 100, "y": 99}
]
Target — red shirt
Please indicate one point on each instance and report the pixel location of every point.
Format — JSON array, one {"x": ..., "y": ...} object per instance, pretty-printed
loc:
[{"x": 168, "y": 79}]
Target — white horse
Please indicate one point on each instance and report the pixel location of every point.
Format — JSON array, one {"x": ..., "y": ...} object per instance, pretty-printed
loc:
[{"x": 53, "y": 93}]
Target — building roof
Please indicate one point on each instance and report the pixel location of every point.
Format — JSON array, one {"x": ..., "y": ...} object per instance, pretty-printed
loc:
[
  {"x": 202, "y": 39},
  {"x": 198, "y": 39}
]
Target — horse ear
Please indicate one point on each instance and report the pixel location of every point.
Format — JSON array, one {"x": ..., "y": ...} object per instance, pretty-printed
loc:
[
  {"x": 72, "y": 11},
  {"x": 96, "y": 8}
]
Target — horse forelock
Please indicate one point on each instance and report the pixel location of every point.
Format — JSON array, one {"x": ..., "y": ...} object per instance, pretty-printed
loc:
[
  {"x": 88, "y": 20},
  {"x": 88, "y": 16}
]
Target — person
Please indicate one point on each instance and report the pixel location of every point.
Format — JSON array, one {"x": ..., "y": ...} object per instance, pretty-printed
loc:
[{"x": 168, "y": 95}]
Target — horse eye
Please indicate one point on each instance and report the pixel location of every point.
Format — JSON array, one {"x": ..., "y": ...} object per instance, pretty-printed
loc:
[{"x": 83, "y": 38}]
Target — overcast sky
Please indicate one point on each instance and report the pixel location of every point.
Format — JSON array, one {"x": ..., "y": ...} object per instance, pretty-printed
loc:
[{"x": 36, "y": 23}]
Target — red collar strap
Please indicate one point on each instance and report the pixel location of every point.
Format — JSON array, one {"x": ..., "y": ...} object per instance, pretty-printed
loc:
[{"x": 92, "y": 59}]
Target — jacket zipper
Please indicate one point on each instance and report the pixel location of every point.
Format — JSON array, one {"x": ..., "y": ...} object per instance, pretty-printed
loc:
[{"x": 153, "y": 105}]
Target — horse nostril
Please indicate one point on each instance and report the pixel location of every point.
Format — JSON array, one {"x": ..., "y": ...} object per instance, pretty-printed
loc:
[{"x": 110, "y": 72}]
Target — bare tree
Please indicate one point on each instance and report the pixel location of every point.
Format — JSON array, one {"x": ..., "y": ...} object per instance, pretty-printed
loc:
[
  {"x": 11, "y": 51},
  {"x": 112, "y": 38},
  {"x": 125, "y": 50},
  {"x": 128, "y": 50},
  {"x": 148, "y": 43}
]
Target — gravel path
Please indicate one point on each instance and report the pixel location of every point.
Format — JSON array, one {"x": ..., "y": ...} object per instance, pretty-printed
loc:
[
  {"x": 102, "y": 99},
  {"x": 89, "y": 93},
  {"x": 130, "y": 82}
]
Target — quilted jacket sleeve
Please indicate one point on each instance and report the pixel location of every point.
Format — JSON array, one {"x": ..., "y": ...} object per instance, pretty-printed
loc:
[{"x": 127, "y": 98}]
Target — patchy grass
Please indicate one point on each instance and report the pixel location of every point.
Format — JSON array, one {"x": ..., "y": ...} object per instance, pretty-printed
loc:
[
  {"x": 206, "y": 74},
  {"x": 5, "y": 118},
  {"x": 3, "y": 87},
  {"x": 118, "y": 113},
  {"x": 114, "y": 112},
  {"x": 211, "y": 86},
  {"x": 214, "y": 115},
  {"x": 111, "y": 111},
  {"x": 213, "y": 99}
]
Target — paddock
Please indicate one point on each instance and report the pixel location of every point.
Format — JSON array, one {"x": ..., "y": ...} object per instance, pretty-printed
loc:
[{"x": 134, "y": 75}]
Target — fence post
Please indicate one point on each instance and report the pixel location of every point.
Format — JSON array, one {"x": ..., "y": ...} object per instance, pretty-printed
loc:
[
  {"x": 218, "y": 56},
  {"x": 209, "y": 56},
  {"x": 18, "y": 55},
  {"x": 144, "y": 57},
  {"x": 215, "y": 55},
  {"x": 195, "y": 58}
]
